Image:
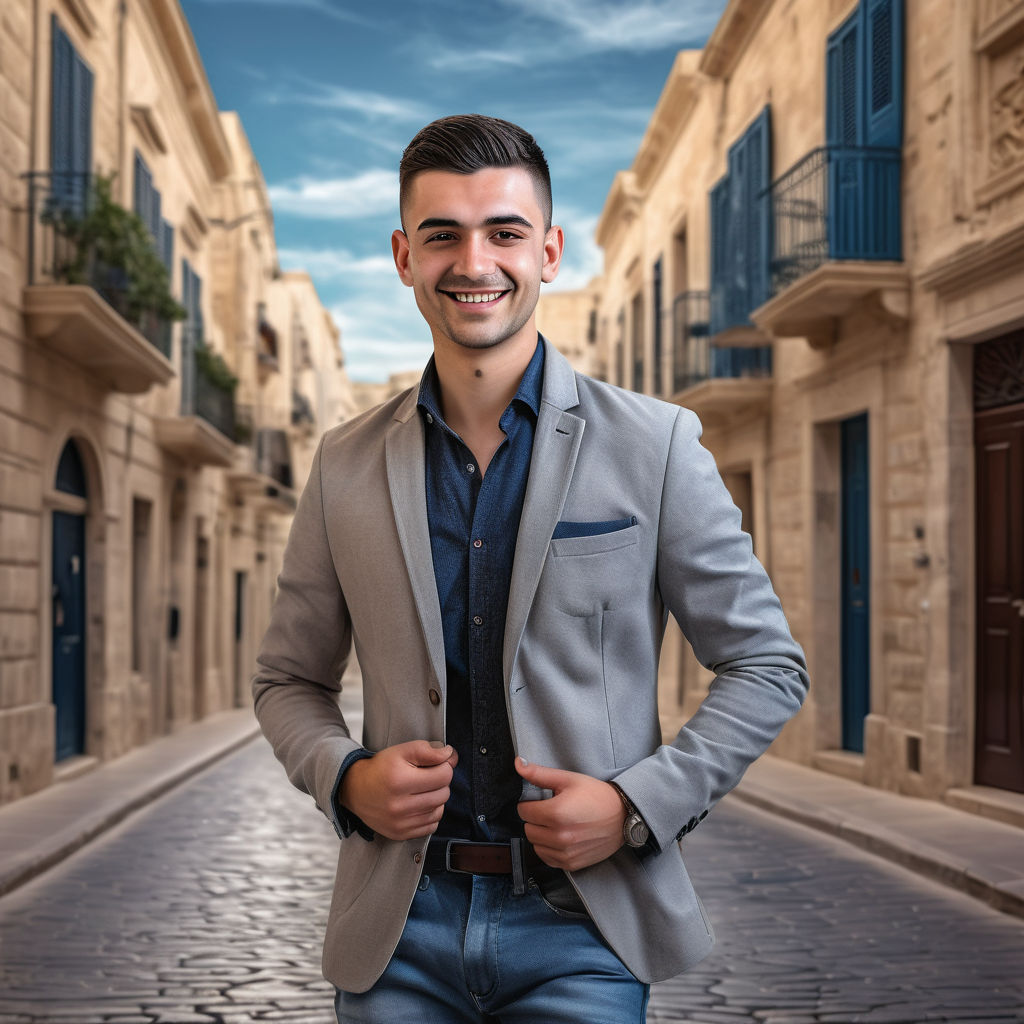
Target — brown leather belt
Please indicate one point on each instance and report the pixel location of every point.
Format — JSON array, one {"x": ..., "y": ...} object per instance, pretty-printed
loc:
[{"x": 516, "y": 858}]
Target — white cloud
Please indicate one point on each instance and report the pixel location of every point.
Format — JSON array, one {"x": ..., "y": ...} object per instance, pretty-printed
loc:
[
  {"x": 382, "y": 333},
  {"x": 372, "y": 193},
  {"x": 325, "y": 7},
  {"x": 335, "y": 263},
  {"x": 597, "y": 25},
  {"x": 582, "y": 258},
  {"x": 477, "y": 60},
  {"x": 373, "y": 106}
]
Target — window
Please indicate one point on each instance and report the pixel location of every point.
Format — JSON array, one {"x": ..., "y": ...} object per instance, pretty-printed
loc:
[
  {"x": 70, "y": 122},
  {"x": 741, "y": 235}
]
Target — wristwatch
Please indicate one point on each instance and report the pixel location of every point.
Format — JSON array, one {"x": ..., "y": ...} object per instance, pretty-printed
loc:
[{"x": 635, "y": 832}]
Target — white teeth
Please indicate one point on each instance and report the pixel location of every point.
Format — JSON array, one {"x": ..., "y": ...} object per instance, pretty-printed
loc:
[{"x": 474, "y": 297}]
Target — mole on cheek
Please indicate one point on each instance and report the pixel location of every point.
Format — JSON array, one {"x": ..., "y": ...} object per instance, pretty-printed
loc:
[{"x": 479, "y": 373}]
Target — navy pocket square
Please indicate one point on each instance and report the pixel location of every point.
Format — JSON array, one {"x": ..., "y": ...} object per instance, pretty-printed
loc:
[{"x": 566, "y": 529}]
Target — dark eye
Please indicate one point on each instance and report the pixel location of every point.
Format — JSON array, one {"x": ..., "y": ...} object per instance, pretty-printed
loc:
[
  {"x": 506, "y": 236},
  {"x": 441, "y": 236}
]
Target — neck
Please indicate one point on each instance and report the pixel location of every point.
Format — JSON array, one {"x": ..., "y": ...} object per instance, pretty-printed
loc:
[{"x": 478, "y": 384}]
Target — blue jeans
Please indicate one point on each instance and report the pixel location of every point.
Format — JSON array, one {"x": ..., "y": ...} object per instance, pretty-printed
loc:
[{"x": 474, "y": 953}]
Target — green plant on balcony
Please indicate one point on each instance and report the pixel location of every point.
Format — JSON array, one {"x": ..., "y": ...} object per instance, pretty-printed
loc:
[
  {"x": 212, "y": 366},
  {"x": 110, "y": 249}
]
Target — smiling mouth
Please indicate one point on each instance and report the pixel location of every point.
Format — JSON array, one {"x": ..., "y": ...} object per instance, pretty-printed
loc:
[{"x": 476, "y": 297}]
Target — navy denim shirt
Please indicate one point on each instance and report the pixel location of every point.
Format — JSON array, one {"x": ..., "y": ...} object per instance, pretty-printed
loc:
[{"x": 473, "y": 523}]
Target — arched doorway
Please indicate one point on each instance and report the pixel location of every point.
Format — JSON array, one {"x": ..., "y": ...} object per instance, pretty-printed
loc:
[{"x": 69, "y": 600}]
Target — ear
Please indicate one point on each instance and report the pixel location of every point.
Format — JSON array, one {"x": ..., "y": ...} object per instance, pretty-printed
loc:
[
  {"x": 400, "y": 251},
  {"x": 554, "y": 243}
]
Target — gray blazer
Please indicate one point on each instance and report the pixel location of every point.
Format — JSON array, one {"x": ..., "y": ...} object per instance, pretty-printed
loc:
[{"x": 586, "y": 616}]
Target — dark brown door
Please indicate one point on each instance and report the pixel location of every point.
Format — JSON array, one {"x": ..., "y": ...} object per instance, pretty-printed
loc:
[{"x": 999, "y": 723}]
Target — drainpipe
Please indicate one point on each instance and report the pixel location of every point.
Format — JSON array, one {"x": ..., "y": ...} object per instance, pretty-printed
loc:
[{"x": 122, "y": 110}]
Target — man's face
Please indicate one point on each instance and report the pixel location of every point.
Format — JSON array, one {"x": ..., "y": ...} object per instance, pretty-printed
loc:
[{"x": 475, "y": 252}]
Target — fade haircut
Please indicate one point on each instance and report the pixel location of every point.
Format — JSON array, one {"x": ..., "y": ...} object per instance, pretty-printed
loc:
[{"x": 465, "y": 143}]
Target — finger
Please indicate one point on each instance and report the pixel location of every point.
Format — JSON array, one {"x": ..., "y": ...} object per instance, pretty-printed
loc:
[
  {"x": 554, "y": 779},
  {"x": 537, "y": 812},
  {"x": 423, "y": 754}
]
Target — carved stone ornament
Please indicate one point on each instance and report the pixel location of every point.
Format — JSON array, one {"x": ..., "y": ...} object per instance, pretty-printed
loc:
[
  {"x": 999, "y": 372},
  {"x": 1007, "y": 145}
]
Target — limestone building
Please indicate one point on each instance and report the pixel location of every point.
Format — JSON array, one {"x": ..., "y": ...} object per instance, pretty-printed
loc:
[
  {"x": 819, "y": 247},
  {"x": 148, "y": 464}
]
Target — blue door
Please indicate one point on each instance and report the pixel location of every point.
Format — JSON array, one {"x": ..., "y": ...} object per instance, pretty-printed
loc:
[
  {"x": 69, "y": 632},
  {"x": 855, "y": 581},
  {"x": 68, "y": 609}
]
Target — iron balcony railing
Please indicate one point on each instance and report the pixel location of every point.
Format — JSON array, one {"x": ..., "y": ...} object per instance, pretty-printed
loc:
[
  {"x": 201, "y": 393},
  {"x": 695, "y": 359},
  {"x": 269, "y": 448},
  {"x": 837, "y": 203},
  {"x": 58, "y": 201}
]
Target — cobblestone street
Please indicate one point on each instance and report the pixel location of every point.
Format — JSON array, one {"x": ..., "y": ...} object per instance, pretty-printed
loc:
[{"x": 210, "y": 907}]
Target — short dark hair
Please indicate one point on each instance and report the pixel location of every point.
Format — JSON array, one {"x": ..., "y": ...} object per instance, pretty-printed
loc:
[{"x": 465, "y": 143}]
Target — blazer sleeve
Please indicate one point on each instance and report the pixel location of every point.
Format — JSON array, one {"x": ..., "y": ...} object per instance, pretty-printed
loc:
[
  {"x": 304, "y": 652},
  {"x": 724, "y": 603}
]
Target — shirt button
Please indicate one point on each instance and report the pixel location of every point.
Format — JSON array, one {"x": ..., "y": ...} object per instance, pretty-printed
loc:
[
  {"x": 478, "y": 543},
  {"x": 435, "y": 697},
  {"x": 430, "y": 419},
  {"x": 481, "y": 817},
  {"x": 470, "y": 467},
  {"x": 483, "y": 750},
  {"x": 477, "y": 621}
]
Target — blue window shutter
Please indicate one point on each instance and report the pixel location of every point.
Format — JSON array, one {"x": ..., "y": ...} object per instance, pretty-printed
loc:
[
  {"x": 757, "y": 209},
  {"x": 81, "y": 91},
  {"x": 719, "y": 215},
  {"x": 843, "y": 106},
  {"x": 166, "y": 247},
  {"x": 882, "y": 33},
  {"x": 70, "y": 121}
]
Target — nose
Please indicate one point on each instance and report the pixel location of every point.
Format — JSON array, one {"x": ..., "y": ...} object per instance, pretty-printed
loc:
[{"x": 473, "y": 259}]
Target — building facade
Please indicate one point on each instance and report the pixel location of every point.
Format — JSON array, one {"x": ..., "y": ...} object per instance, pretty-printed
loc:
[
  {"x": 150, "y": 451},
  {"x": 819, "y": 247}
]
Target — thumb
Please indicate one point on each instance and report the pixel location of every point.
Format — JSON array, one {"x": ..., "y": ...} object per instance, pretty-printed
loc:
[
  {"x": 425, "y": 753},
  {"x": 554, "y": 779}
]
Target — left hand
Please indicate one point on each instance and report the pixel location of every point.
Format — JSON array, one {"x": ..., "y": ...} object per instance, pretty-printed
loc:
[{"x": 580, "y": 825}]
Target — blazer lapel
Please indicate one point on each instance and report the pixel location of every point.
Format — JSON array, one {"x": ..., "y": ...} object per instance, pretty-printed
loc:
[
  {"x": 403, "y": 448},
  {"x": 556, "y": 444}
]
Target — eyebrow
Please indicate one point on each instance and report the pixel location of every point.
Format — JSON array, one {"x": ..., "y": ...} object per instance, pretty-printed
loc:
[{"x": 445, "y": 222}]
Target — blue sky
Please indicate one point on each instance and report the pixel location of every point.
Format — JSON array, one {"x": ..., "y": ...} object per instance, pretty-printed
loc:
[{"x": 330, "y": 92}]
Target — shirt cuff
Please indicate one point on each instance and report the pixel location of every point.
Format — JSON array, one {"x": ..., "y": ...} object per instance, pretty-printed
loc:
[{"x": 343, "y": 820}]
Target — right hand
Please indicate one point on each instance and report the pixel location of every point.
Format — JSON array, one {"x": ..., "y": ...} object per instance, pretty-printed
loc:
[{"x": 401, "y": 791}]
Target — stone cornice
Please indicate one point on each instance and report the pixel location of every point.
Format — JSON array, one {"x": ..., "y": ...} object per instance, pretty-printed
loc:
[
  {"x": 676, "y": 103},
  {"x": 975, "y": 262},
  {"x": 731, "y": 34},
  {"x": 171, "y": 26}
]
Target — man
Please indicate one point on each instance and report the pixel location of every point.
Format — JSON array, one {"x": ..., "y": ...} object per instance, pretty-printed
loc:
[{"x": 502, "y": 545}]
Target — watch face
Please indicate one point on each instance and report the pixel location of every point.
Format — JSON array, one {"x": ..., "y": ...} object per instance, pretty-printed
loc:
[{"x": 638, "y": 831}]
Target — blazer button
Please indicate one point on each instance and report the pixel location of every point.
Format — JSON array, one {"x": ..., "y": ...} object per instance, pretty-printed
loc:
[{"x": 435, "y": 697}]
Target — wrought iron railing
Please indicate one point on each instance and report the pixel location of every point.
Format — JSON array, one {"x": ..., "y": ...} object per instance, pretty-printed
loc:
[
  {"x": 201, "y": 393},
  {"x": 837, "y": 203},
  {"x": 695, "y": 359},
  {"x": 58, "y": 201},
  {"x": 269, "y": 450}
]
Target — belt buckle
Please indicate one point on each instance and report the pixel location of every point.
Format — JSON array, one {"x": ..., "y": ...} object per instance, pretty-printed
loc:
[{"x": 448, "y": 856}]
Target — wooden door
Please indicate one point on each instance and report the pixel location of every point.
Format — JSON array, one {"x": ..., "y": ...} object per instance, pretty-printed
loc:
[{"x": 999, "y": 718}]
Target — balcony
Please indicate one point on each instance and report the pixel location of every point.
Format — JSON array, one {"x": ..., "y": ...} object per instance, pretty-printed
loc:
[
  {"x": 79, "y": 306},
  {"x": 837, "y": 244},
  {"x": 719, "y": 384},
  {"x": 262, "y": 469},
  {"x": 204, "y": 432}
]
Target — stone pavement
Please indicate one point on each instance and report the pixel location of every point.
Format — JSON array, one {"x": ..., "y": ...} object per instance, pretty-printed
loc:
[
  {"x": 983, "y": 858},
  {"x": 209, "y": 906}
]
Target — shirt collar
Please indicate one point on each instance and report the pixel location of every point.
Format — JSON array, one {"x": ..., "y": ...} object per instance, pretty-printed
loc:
[{"x": 528, "y": 393}]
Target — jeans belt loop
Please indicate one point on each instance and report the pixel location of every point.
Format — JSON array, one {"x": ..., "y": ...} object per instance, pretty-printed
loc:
[{"x": 518, "y": 868}]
